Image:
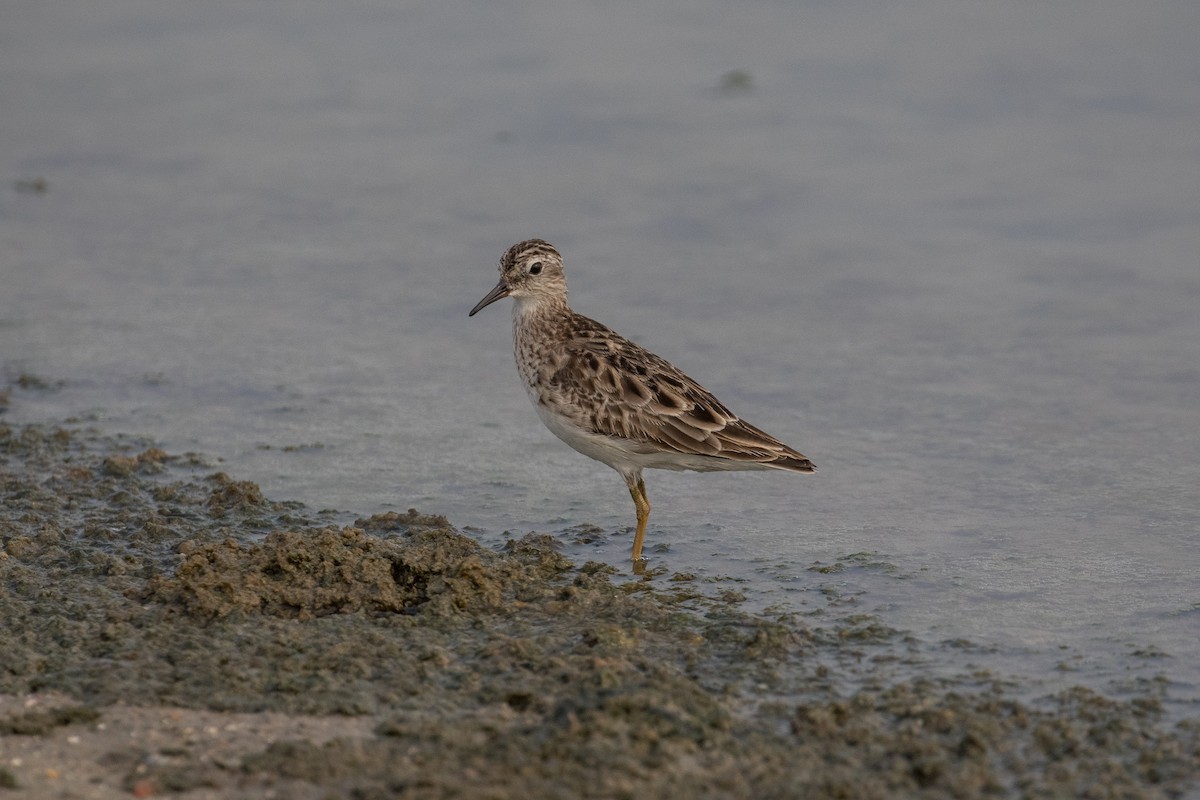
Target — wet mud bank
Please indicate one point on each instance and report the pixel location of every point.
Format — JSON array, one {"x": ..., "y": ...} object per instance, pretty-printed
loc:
[{"x": 141, "y": 590}]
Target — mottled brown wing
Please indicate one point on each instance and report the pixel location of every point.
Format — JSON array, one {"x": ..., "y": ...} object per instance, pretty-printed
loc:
[{"x": 638, "y": 396}]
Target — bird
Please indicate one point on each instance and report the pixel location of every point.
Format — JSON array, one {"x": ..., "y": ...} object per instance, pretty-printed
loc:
[{"x": 612, "y": 399}]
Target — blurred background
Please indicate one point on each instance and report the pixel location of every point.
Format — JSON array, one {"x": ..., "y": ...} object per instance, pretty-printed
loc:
[{"x": 950, "y": 251}]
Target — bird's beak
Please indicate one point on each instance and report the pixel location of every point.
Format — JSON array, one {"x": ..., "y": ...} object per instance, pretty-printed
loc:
[{"x": 500, "y": 292}]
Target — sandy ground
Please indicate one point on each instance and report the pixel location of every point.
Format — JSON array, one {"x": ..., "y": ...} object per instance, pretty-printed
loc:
[
  {"x": 126, "y": 750},
  {"x": 168, "y": 630}
]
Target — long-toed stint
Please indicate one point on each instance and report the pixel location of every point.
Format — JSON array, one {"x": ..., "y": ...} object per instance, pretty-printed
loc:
[{"x": 613, "y": 400}]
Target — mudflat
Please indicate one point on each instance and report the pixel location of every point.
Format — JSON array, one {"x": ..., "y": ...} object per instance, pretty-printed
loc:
[{"x": 169, "y": 630}]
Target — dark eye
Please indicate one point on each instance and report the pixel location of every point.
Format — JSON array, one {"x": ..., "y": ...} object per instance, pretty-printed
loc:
[{"x": 535, "y": 268}]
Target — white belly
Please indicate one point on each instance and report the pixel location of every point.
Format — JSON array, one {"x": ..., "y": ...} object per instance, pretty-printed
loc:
[{"x": 629, "y": 457}]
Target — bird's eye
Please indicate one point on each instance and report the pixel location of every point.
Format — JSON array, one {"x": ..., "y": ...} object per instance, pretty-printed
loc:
[{"x": 535, "y": 268}]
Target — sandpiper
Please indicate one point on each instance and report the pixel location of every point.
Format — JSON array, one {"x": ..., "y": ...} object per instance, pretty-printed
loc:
[{"x": 613, "y": 400}]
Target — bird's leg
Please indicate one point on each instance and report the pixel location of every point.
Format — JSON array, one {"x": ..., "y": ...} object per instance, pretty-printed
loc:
[{"x": 637, "y": 490}]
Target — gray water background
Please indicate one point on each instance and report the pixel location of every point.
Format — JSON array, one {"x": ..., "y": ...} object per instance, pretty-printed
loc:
[{"x": 950, "y": 251}]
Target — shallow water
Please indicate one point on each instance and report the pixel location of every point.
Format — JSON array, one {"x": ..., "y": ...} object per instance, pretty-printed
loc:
[{"x": 947, "y": 251}]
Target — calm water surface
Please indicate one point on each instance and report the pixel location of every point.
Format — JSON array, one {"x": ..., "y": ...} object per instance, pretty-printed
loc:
[{"x": 949, "y": 251}]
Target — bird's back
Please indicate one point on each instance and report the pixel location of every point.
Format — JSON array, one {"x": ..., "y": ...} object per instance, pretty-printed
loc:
[{"x": 606, "y": 385}]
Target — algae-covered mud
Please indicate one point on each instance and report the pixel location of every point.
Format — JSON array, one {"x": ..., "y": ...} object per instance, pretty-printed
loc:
[{"x": 167, "y": 629}]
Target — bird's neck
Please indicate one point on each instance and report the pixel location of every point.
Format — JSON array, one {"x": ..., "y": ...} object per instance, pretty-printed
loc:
[
  {"x": 538, "y": 308},
  {"x": 535, "y": 320}
]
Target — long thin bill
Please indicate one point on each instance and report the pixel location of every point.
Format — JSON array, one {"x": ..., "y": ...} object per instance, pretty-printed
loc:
[{"x": 500, "y": 292}]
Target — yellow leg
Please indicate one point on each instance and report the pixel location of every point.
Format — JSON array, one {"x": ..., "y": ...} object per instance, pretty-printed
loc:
[{"x": 640, "y": 502}]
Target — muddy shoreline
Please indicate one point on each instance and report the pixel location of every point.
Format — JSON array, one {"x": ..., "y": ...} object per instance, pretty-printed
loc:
[{"x": 169, "y": 630}]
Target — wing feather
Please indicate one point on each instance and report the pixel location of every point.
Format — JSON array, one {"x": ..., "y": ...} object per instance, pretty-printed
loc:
[{"x": 636, "y": 395}]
